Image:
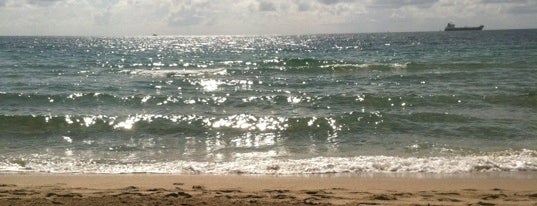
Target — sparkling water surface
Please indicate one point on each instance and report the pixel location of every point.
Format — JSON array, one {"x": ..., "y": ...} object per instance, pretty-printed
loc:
[{"x": 438, "y": 102}]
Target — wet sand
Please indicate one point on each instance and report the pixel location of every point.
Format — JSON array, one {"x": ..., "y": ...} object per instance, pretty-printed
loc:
[{"x": 153, "y": 189}]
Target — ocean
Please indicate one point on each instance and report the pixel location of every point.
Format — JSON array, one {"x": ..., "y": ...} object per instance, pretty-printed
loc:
[{"x": 396, "y": 103}]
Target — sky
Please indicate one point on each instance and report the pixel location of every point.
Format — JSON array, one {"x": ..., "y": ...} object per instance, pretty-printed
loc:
[{"x": 256, "y": 17}]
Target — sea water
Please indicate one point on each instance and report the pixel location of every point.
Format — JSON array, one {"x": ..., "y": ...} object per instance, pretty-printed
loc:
[{"x": 419, "y": 102}]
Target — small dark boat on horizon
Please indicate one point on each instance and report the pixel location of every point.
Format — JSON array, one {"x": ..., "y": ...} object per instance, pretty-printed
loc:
[{"x": 451, "y": 27}]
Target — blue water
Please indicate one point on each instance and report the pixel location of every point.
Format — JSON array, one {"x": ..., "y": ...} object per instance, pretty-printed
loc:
[{"x": 433, "y": 102}]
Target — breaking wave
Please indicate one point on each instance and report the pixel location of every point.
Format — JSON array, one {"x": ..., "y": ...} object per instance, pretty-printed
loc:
[{"x": 255, "y": 163}]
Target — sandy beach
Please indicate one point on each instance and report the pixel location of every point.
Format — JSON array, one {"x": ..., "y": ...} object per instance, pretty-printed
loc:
[{"x": 151, "y": 189}]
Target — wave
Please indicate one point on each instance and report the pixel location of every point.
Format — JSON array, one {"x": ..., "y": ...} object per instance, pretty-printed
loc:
[
  {"x": 339, "y": 65},
  {"x": 180, "y": 72},
  {"x": 326, "y": 65},
  {"x": 255, "y": 163},
  {"x": 354, "y": 121},
  {"x": 524, "y": 100},
  {"x": 87, "y": 102},
  {"x": 32, "y": 124},
  {"x": 349, "y": 129}
]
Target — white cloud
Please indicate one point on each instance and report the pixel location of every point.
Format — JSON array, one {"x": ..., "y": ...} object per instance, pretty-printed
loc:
[{"x": 177, "y": 17}]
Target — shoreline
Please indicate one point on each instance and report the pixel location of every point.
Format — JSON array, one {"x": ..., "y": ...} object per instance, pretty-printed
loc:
[{"x": 372, "y": 189}]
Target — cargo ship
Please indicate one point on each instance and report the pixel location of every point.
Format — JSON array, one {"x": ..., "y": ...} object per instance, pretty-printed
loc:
[{"x": 451, "y": 27}]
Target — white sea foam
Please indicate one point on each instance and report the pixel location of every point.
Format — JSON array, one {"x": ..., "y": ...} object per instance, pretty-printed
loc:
[
  {"x": 269, "y": 163},
  {"x": 210, "y": 84},
  {"x": 67, "y": 139},
  {"x": 366, "y": 65},
  {"x": 180, "y": 72}
]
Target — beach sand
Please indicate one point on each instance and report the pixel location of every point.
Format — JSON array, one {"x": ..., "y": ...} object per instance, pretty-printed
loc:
[{"x": 154, "y": 189}]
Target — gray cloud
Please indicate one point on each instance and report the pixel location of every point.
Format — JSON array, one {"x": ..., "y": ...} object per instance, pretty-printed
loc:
[
  {"x": 43, "y": 2},
  {"x": 304, "y": 6},
  {"x": 175, "y": 17},
  {"x": 189, "y": 13},
  {"x": 503, "y": 1},
  {"x": 523, "y": 9},
  {"x": 391, "y": 4},
  {"x": 266, "y": 6},
  {"x": 515, "y": 6},
  {"x": 102, "y": 18},
  {"x": 330, "y": 2},
  {"x": 184, "y": 18}
]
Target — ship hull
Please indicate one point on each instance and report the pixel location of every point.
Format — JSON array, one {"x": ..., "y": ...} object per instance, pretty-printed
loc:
[{"x": 464, "y": 28}]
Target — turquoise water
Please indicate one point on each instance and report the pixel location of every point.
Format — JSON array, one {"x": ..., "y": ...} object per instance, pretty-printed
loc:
[{"x": 435, "y": 102}]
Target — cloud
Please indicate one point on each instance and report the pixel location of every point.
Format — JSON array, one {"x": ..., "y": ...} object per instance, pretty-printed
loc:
[
  {"x": 267, "y": 6},
  {"x": 43, "y": 2},
  {"x": 330, "y": 2},
  {"x": 187, "y": 18},
  {"x": 516, "y": 7},
  {"x": 142, "y": 17},
  {"x": 503, "y": 1},
  {"x": 523, "y": 9},
  {"x": 302, "y": 6},
  {"x": 390, "y": 4}
]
